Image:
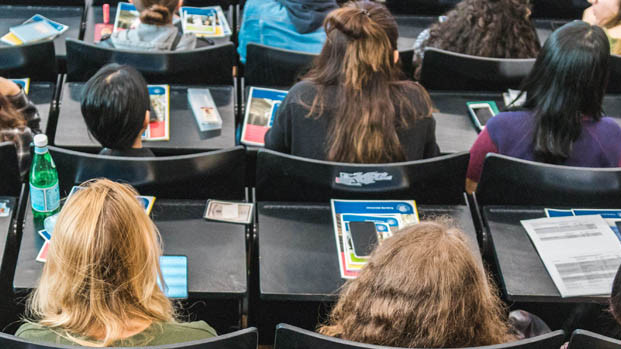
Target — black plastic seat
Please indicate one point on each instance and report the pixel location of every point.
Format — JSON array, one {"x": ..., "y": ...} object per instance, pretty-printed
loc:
[
  {"x": 283, "y": 177},
  {"x": 510, "y": 181},
  {"x": 11, "y": 182},
  {"x": 218, "y": 174},
  {"x": 450, "y": 71},
  {"x": 272, "y": 66},
  {"x": 35, "y": 61},
  {"x": 206, "y": 66},
  {"x": 582, "y": 339},
  {"x": 291, "y": 337},
  {"x": 614, "y": 82},
  {"x": 242, "y": 339}
]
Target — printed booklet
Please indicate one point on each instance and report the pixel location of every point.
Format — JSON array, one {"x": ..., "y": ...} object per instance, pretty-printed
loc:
[
  {"x": 261, "y": 109},
  {"x": 36, "y": 28},
  {"x": 360, "y": 225},
  {"x": 127, "y": 17},
  {"x": 24, "y": 83},
  {"x": 204, "y": 109},
  {"x": 159, "y": 126},
  {"x": 207, "y": 22}
]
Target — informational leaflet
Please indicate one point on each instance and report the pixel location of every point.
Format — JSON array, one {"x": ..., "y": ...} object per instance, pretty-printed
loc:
[
  {"x": 159, "y": 125},
  {"x": 261, "y": 110},
  {"x": 581, "y": 253},
  {"x": 611, "y": 216},
  {"x": 12, "y": 38},
  {"x": 386, "y": 218},
  {"x": 24, "y": 83},
  {"x": 205, "y": 21},
  {"x": 127, "y": 17}
]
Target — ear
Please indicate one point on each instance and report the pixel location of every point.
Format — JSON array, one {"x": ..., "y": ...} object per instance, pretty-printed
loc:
[{"x": 396, "y": 56}]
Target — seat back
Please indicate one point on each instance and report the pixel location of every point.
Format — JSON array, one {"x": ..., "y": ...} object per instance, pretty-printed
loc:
[
  {"x": 510, "y": 181},
  {"x": 291, "y": 337},
  {"x": 614, "y": 82},
  {"x": 283, "y": 177},
  {"x": 35, "y": 61},
  {"x": 42, "y": 2},
  {"x": 271, "y": 66},
  {"x": 10, "y": 183},
  {"x": 218, "y": 174},
  {"x": 445, "y": 70},
  {"x": 197, "y": 3},
  {"x": 205, "y": 66},
  {"x": 242, "y": 339},
  {"x": 582, "y": 339}
]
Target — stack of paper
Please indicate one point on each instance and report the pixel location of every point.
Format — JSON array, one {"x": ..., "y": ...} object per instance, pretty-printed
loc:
[
  {"x": 205, "y": 21},
  {"x": 387, "y": 216},
  {"x": 36, "y": 28}
]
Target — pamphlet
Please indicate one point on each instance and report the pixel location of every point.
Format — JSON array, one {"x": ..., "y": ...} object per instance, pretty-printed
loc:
[
  {"x": 24, "y": 83},
  {"x": 261, "y": 110},
  {"x": 127, "y": 17},
  {"x": 204, "y": 109},
  {"x": 52, "y": 29},
  {"x": 611, "y": 216},
  {"x": 229, "y": 211},
  {"x": 159, "y": 127},
  {"x": 510, "y": 98},
  {"x": 205, "y": 21},
  {"x": 581, "y": 253},
  {"x": 387, "y": 216}
]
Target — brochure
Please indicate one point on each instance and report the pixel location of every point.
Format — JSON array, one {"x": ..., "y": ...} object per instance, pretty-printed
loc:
[
  {"x": 204, "y": 109},
  {"x": 581, "y": 253},
  {"x": 159, "y": 127},
  {"x": 127, "y": 17},
  {"x": 611, "y": 216},
  {"x": 261, "y": 109},
  {"x": 386, "y": 216},
  {"x": 205, "y": 21},
  {"x": 12, "y": 39},
  {"x": 24, "y": 83}
]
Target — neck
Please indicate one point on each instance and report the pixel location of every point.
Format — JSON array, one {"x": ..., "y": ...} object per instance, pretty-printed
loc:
[
  {"x": 132, "y": 328},
  {"x": 138, "y": 142}
]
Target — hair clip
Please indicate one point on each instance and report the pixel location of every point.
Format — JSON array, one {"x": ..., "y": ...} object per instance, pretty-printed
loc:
[{"x": 365, "y": 12}]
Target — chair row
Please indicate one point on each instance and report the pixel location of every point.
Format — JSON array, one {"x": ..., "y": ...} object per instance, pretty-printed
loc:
[{"x": 291, "y": 337}]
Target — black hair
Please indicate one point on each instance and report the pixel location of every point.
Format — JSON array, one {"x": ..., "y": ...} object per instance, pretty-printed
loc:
[
  {"x": 114, "y": 103},
  {"x": 566, "y": 85}
]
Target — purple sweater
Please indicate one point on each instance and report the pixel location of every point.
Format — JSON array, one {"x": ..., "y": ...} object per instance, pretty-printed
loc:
[{"x": 511, "y": 133}]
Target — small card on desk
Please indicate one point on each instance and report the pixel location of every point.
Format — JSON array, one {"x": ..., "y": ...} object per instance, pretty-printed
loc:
[
  {"x": 228, "y": 211},
  {"x": 5, "y": 208}
]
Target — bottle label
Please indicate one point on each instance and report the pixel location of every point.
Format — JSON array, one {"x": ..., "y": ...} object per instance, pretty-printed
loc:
[{"x": 45, "y": 199}]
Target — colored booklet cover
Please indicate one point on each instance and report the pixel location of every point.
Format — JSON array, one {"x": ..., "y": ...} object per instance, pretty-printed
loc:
[
  {"x": 261, "y": 110},
  {"x": 127, "y": 17},
  {"x": 159, "y": 126},
  {"x": 204, "y": 109},
  {"x": 611, "y": 216},
  {"x": 34, "y": 31},
  {"x": 205, "y": 21},
  {"x": 11, "y": 39},
  {"x": 24, "y": 83},
  {"x": 385, "y": 218}
]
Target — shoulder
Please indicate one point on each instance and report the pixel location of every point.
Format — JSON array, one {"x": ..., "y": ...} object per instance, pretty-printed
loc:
[
  {"x": 36, "y": 332},
  {"x": 176, "y": 332},
  {"x": 606, "y": 127},
  {"x": 506, "y": 118},
  {"x": 302, "y": 92}
]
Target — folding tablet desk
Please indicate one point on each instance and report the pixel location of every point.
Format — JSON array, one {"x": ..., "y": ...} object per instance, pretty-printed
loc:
[
  {"x": 184, "y": 133},
  {"x": 71, "y": 16},
  {"x": 6, "y": 229},
  {"x": 42, "y": 95}
]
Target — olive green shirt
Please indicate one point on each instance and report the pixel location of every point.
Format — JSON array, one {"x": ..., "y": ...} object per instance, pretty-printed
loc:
[{"x": 156, "y": 334}]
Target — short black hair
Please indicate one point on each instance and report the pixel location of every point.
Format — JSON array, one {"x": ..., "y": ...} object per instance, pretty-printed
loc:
[{"x": 114, "y": 103}]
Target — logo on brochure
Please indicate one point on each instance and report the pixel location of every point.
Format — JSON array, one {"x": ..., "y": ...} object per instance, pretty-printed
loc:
[
  {"x": 358, "y": 179},
  {"x": 402, "y": 208}
]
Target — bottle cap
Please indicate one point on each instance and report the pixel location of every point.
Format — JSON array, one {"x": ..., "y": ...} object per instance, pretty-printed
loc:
[{"x": 40, "y": 140}]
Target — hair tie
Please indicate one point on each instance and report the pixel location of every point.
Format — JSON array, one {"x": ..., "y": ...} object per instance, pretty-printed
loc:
[{"x": 365, "y": 12}]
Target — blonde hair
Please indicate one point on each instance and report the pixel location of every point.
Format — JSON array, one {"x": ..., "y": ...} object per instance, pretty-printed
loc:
[
  {"x": 422, "y": 288},
  {"x": 102, "y": 267}
]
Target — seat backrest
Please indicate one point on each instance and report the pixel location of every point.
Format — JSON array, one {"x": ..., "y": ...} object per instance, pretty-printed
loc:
[
  {"x": 445, "y": 70},
  {"x": 198, "y": 3},
  {"x": 283, "y": 177},
  {"x": 35, "y": 61},
  {"x": 582, "y": 339},
  {"x": 271, "y": 66},
  {"x": 242, "y": 339},
  {"x": 10, "y": 183},
  {"x": 614, "y": 83},
  {"x": 510, "y": 181},
  {"x": 218, "y": 174},
  {"x": 42, "y": 2},
  {"x": 291, "y": 337},
  {"x": 205, "y": 66}
]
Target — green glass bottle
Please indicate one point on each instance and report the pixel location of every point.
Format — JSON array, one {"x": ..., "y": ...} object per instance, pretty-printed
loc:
[{"x": 44, "y": 192}]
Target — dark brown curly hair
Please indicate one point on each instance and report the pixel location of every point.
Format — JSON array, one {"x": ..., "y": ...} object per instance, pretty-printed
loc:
[
  {"x": 422, "y": 288},
  {"x": 487, "y": 28}
]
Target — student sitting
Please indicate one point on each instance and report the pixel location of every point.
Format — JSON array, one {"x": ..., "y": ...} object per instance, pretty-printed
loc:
[
  {"x": 116, "y": 108},
  {"x": 353, "y": 106},
  {"x": 288, "y": 24},
  {"x": 19, "y": 121},
  {"x": 606, "y": 14},
  {"x": 99, "y": 286},
  {"x": 156, "y": 31},
  {"x": 562, "y": 121},
  {"x": 486, "y": 28},
  {"x": 422, "y": 288}
]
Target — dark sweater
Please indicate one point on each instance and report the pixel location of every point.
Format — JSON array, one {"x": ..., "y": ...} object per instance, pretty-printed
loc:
[{"x": 294, "y": 133}]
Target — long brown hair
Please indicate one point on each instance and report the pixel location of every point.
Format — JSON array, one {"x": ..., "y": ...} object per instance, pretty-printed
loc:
[
  {"x": 102, "y": 267},
  {"x": 422, "y": 288},
  {"x": 9, "y": 117},
  {"x": 488, "y": 28},
  {"x": 358, "y": 58},
  {"x": 157, "y": 12}
]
